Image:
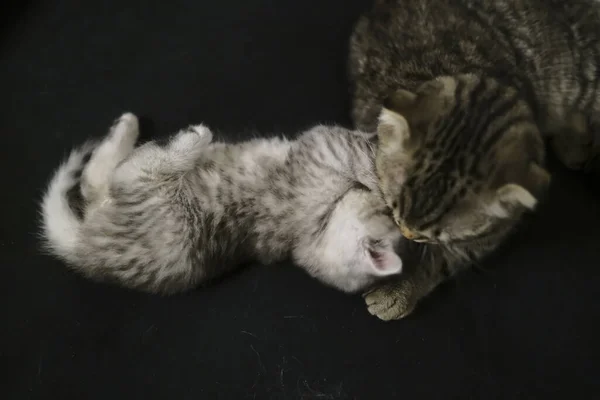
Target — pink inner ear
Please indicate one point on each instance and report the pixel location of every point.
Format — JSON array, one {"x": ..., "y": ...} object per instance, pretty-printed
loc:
[
  {"x": 378, "y": 259},
  {"x": 385, "y": 262}
]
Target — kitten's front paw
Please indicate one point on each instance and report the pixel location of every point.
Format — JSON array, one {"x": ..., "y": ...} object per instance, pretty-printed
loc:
[
  {"x": 195, "y": 137},
  {"x": 203, "y": 132},
  {"x": 391, "y": 301}
]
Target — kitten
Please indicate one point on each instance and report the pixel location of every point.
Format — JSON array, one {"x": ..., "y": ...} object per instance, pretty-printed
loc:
[
  {"x": 472, "y": 89},
  {"x": 164, "y": 219}
]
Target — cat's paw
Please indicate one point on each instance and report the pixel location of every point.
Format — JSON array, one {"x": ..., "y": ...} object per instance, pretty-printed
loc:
[
  {"x": 193, "y": 138},
  {"x": 128, "y": 118},
  {"x": 125, "y": 131},
  {"x": 203, "y": 132},
  {"x": 391, "y": 301}
]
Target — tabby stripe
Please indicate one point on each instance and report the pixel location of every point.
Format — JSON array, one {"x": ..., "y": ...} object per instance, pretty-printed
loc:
[
  {"x": 581, "y": 80},
  {"x": 591, "y": 93},
  {"x": 332, "y": 149},
  {"x": 453, "y": 132},
  {"x": 444, "y": 128},
  {"x": 501, "y": 110},
  {"x": 402, "y": 207},
  {"x": 477, "y": 99},
  {"x": 499, "y": 35},
  {"x": 437, "y": 217}
]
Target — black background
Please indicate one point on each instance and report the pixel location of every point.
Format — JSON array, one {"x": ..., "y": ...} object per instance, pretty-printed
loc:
[{"x": 521, "y": 326}]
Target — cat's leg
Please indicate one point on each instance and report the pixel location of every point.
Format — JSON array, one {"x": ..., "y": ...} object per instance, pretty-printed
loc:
[
  {"x": 185, "y": 147},
  {"x": 116, "y": 146},
  {"x": 178, "y": 155},
  {"x": 194, "y": 137},
  {"x": 398, "y": 297}
]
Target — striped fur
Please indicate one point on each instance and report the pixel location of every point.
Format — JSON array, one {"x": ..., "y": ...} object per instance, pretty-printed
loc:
[
  {"x": 548, "y": 49},
  {"x": 457, "y": 182},
  {"x": 166, "y": 218},
  {"x": 479, "y": 85}
]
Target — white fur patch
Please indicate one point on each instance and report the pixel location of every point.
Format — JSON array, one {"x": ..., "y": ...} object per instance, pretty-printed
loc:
[
  {"x": 449, "y": 86},
  {"x": 516, "y": 194},
  {"x": 393, "y": 130},
  {"x": 115, "y": 148},
  {"x": 395, "y": 120},
  {"x": 60, "y": 223},
  {"x": 510, "y": 195}
]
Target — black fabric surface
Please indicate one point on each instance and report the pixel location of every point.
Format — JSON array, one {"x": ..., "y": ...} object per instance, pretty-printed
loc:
[{"x": 522, "y": 326}]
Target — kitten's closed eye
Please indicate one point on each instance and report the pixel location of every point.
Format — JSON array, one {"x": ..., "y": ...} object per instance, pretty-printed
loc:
[{"x": 422, "y": 239}]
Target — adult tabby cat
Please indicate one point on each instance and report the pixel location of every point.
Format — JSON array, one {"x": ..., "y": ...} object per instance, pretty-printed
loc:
[
  {"x": 164, "y": 219},
  {"x": 470, "y": 85}
]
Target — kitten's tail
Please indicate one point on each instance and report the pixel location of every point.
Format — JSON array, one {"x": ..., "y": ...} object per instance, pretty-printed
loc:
[{"x": 61, "y": 223}]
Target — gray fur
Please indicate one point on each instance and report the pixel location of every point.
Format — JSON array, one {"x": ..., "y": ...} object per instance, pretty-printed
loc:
[{"x": 164, "y": 219}]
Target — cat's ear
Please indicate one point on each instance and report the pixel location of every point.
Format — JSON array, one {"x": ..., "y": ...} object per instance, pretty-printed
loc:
[
  {"x": 393, "y": 134},
  {"x": 536, "y": 180},
  {"x": 508, "y": 198},
  {"x": 400, "y": 101},
  {"x": 382, "y": 260},
  {"x": 393, "y": 131},
  {"x": 512, "y": 196},
  {"x": 515, "y": 195}
]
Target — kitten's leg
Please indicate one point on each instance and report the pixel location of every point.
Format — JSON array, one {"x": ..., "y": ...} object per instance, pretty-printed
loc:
[
  {"x": 118, "y": 144},
  {"x": 186, "y": 147},
  {"x": 177, "y": 156},
  {"x": 397, "y": 298}
]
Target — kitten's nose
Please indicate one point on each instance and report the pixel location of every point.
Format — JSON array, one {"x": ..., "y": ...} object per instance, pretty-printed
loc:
[{"x": 407, "y": 233}]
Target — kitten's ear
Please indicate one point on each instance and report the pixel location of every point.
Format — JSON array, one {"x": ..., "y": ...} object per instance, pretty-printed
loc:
[
  {"x": 527, "y": 194},
  {"x": 537, "y": 180},
  {"x": 512, "y": 194},
  {"x": 400, "y": 101},
  {"x": 383, "y": 261},
  {"x": 392, "y": 131},
  {"x": 509, "y": 198}
]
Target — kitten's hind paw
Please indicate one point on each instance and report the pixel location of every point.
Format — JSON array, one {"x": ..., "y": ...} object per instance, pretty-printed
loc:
[
  {"x": 203, "y": 132},
  {"x": 128, "y": 118},
  {"x": 125, "y": 131},
  {"x": 391, "y": 301}
]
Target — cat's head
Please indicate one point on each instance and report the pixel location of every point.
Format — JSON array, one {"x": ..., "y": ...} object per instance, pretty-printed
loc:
[
  {"x": 459, "y": 159},
  {"x": 358, "y": 246}
]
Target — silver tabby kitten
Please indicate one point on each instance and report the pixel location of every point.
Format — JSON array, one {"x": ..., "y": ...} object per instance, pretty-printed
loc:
[{"x": 164, "y": 219}]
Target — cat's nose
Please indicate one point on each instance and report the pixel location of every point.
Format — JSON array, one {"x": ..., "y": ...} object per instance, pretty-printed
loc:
[{"x": 407, "y": 233}]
